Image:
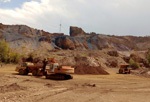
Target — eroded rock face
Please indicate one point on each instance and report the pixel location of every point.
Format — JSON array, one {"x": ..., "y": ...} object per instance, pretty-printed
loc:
[
  {"x": 112, "y": 63},
  {"x": 75, "y": 31},
  {"x": 22, "y": 35},
  {"x": 2, "y": 26},
  {"x": 113, "y": 53},
  {"x": 85, "y": 45},
  {"x": 46, "y": 39}
]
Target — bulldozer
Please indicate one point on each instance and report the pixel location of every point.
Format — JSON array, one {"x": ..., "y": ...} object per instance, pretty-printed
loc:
[
  {"x": 124, "y": 69},
  {"x": 52, "y": 71}
]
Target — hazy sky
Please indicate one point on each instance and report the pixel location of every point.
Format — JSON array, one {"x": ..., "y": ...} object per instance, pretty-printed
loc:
[{"x": 118, "y": 17}]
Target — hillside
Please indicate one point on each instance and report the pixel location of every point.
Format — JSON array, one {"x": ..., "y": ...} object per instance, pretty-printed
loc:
[
  {"x": 95, "y": 57},
  {"x": 22, "y": 36}
]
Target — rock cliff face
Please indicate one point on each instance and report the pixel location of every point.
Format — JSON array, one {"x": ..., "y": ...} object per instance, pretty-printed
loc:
[
  {"x": 23, "y": 36},
  {"x": 76, "y": 32}
]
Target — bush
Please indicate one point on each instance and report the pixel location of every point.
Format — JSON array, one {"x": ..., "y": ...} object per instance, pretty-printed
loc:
[
  {"x": 5, "y": 55},
  {"x": 134, "y": 64},
  {"x": 148, "y": 57},
  {"x": 14, "y": 57},
  {"x": 23, "y": 47},
  {"x": 4, "y": 51}
]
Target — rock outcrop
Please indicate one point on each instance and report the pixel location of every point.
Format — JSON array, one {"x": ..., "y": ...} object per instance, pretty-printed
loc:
[{"x": 76, "y": 32}]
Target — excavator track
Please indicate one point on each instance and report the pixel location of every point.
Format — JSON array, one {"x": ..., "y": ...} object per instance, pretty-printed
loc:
[{"x": 59, "y": 76}]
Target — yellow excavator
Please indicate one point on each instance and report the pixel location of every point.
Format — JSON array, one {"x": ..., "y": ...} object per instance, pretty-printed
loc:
[{"x": 52, "y": 70}]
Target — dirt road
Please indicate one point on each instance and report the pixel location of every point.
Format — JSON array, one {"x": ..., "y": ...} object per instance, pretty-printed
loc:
[{"x": 83, "y": 88}]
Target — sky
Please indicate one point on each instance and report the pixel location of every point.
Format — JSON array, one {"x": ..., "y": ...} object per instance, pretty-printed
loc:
[{"x": 111, "y": 17}]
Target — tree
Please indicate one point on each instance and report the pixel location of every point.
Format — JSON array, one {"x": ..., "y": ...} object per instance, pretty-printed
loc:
[
  {"x": 6, "y": 55},
  {"x": 4, "y": 51}
]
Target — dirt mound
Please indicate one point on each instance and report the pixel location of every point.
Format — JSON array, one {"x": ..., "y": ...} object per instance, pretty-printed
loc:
[
  {"x": 67, "y": 61},
  {"x": 84, "y": 69},
  {"x": 89, "y": 61},
  {"x": 84, "y": 65},
  {"x": 11, "y": 88}
]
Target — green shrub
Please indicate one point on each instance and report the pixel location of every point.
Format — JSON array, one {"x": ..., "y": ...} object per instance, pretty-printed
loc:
[
  {"x": 148, "y": 57},
  {"x": 4, "y": 51},
  {"x": 84, "y": 55},
  {"x": 14, "y": 57},
  {"x": 5, "y": 55},
  {"x": 134, "y": 64},
  {"x": 23, "y": 47}
]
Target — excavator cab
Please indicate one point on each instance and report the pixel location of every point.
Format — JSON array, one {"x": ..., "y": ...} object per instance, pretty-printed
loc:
[{"x": 53, "y": 66}]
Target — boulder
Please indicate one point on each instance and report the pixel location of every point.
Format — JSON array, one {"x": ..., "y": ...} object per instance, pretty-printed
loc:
[
  {"x": 64, "y": 43},
  {"x": 75, "y": 31}
]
